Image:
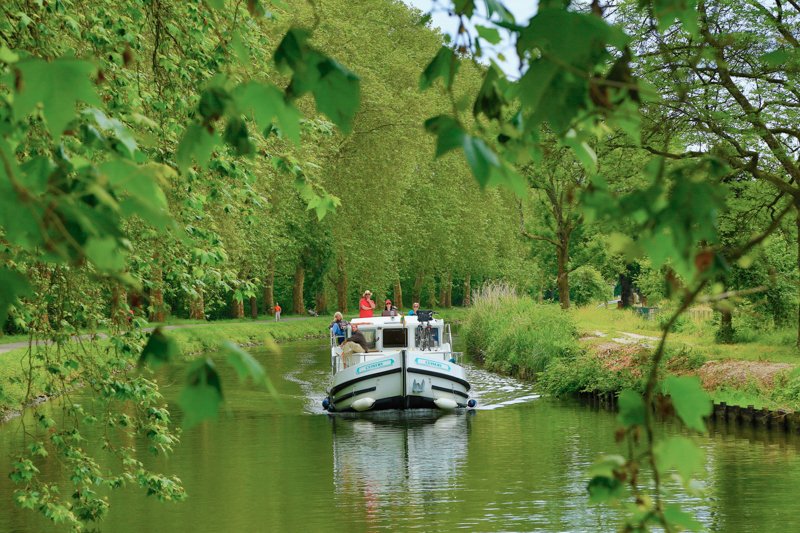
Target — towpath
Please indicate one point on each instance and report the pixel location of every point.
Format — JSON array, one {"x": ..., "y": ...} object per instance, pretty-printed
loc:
[{"x": 24, "y": 344}]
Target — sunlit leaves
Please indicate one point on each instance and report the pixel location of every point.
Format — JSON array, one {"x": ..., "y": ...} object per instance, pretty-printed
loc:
[
  {"x": 692, "y": 403},
  {"x": 35, "y": 86},
  {"x": 444, "y": 65},
  {"x": 202, "y": 395},
  {"x": 336, "y": 90}
]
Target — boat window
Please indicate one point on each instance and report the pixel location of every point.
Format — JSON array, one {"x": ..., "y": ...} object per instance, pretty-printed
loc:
[
  {"x": 369, "y": 336},
  {"x": 394, "y": 338}
]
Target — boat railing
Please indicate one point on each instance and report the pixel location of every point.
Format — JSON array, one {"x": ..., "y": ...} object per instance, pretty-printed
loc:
[{"x": 337, "y": 362}]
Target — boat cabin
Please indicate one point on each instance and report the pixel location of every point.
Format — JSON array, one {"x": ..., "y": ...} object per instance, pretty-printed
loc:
[{"x": 387, "y": 335}]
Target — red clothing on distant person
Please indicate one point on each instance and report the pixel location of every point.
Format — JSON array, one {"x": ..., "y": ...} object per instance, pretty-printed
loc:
[
  {"x": 278, "y": 309},
  {"x": 365, "y": 313}
]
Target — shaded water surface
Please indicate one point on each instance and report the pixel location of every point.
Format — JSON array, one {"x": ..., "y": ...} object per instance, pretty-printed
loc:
[{"x": 516, "y": 464}]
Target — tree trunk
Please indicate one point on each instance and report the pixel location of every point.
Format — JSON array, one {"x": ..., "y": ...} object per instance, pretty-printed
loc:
[
  {"x": 197, "y": 307},
  {"x": 725, "y": 332},
  {"x": 322, "y": 302},
  {"x": 448, "y": 293},
  {"x": 269, "y": 287},
  {"x": 467, "y": 291},
  {"x": 237, "y": 308},
  {"x": 797, "y": 222},
  {"x": 298, "y": 307},
  {"x": 157, "y": 293},
  {"x": 443, "y": 290},
  {"x": 431, "y": 296},
  {"x": 253, "y": 308},
  {"x": 416, "y": 291},
  {"x": 562, "y": 253},
  {"x": 626, "y": 291},
  {"x": 119, "y": 305},
  {"x": 341, "y": 285},
  {"x": 398, "y": 294}
]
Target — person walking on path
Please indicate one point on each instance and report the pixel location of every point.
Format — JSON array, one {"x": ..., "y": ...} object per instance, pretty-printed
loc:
[
  {"x": 277, "y": 312},
  {"x": 366, "y": 305}
]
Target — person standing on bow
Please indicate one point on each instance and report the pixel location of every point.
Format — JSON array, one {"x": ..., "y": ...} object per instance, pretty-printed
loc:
[
  {"x": 366, "y": 305},
  {"x": 389, "y": 309}
]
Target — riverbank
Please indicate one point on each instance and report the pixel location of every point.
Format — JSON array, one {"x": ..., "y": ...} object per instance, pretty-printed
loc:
[
  {"x": 20, "y": 364},
  {"x": 600, "y": 350}
]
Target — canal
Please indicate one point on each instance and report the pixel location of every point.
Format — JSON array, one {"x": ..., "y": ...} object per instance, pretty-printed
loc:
[{"x": 517, "y": 463}]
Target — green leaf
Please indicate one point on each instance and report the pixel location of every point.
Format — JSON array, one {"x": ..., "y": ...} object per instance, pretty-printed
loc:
[
  {"x": 197, "y": 144},
  {"x": 691, "y": 402},
  {"x": 36, "y": 173},
  {"x": 631, "y": 409},
  {"x": 679, "y": 519},
  {"x": 13, "y": 285},
  {"x": 604, "y": 489},
  {"x": 237, "y": 137},
  {"x": 8, "y": 56},
  {"x": 215, "y": 4},
  {"x": 244, "y": 364},
  {"x": 680, "y": 454},
  {"x": 449, "y": 134},
  {"x": 464, "y": 7},
  {"x": 58, "y": 100},
  {"x": 159, "y": 349},
  {"x": 105, "y": 254},
  {"x": 201, "y": 397},
  {"x": 490, "y": 35},
  {"x": 444, "y": 65},
  {"x": 265, "y": 102},
  {"x": 336, "y": 90},
  {"x": 118, "y": 128},
  {"x": 490, "y": 99},
  {"x": 480, "y": 158},
  {"x": 337, "y": 94}
]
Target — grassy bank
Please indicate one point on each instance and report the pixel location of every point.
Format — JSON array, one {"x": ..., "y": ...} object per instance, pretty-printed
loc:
[{"x": 606, "y": 350}]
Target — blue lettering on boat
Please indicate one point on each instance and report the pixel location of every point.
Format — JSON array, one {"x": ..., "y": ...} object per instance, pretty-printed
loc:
[
  {"x": 434, "y": 364},
  {"x": 374, "y": 365}
]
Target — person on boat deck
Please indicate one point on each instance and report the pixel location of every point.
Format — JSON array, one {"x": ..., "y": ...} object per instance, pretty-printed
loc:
[
  {"x": 338, "y": 326},
  {"x": 389, "y": 309},
  {"x": 356, "y": 343},
  {"x": 366, "y": 305},
  {"x": 414, "y": 309}
]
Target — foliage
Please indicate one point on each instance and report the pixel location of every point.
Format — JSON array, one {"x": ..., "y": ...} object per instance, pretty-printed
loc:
[
  {"x": 587, "y": 285},
  {"x": 516, "y": 335}
]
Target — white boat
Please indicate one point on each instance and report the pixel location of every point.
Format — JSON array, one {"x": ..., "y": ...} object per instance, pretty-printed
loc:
[{"x": 409, "y": 364}]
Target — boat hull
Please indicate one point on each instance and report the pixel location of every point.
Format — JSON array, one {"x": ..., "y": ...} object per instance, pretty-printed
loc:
[{"x": 414, "y": 380}]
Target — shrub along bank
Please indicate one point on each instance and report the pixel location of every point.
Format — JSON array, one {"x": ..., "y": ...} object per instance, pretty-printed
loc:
[{"x": 515, "y": 335}]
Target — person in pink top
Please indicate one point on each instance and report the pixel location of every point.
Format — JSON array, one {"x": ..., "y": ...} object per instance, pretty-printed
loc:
[{"x": 366, "y": 305}]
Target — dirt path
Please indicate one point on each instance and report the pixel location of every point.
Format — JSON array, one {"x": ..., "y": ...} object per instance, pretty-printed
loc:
[{"x": 24, "y": 344}]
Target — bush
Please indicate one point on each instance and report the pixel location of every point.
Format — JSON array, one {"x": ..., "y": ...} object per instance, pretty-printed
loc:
[
  {"x": 587, "y": 285},
  {"x": 516, "y": 335}
]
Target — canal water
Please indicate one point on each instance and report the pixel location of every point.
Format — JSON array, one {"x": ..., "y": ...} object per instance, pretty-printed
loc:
[{"x": 517, "y": 463}]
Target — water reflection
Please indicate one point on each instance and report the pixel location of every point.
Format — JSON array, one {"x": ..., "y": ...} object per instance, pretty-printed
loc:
[{"x": 395, "y": 464}]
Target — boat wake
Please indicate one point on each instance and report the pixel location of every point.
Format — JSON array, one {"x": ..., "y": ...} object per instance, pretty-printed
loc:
[{"x": 494, "y": 391}]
